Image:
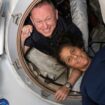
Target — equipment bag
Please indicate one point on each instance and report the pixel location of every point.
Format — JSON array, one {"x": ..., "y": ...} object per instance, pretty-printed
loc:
[{"x": 47, "y": 65}]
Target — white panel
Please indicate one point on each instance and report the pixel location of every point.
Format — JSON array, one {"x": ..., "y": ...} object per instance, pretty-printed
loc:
[
  {"x": 1, "y": 35},
  {"x": 0, "y": 4},
  {"x": 102, "y": 6},
  {"x": 14, "y": 90}
]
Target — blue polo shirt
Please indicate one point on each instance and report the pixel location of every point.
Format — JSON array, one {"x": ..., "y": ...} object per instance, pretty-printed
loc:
[{"x": 93, "y": 83}]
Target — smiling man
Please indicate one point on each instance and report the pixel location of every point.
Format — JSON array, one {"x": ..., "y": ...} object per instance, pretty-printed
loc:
[{"x": 44, "y": 28}]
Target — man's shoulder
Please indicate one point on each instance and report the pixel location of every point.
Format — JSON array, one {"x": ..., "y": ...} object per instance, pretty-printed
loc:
[
  {"x": 72, "y": 28},
  {"x": 68, "y": 25},
  {"x": 62, "y": 22}
]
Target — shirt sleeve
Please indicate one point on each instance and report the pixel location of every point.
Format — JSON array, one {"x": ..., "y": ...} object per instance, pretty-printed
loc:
[{"x": 29, "y": 42}]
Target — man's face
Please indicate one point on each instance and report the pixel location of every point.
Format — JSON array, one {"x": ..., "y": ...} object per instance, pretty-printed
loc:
[{"x": 44, "y": 19}]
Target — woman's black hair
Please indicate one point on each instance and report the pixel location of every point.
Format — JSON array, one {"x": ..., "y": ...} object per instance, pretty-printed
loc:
[{"x": 69, "y": 39}]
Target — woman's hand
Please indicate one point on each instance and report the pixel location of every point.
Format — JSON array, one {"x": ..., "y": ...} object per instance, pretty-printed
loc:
[{"x": 62, "y": 93}]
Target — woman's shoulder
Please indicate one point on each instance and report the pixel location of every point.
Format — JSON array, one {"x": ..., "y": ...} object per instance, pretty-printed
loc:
[
  {"x": 101, "y": 52},
  {"x": 100, "y": 55}
]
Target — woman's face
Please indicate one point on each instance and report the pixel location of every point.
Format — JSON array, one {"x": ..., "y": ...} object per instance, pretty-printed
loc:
[{"x": 74, "y": 57}]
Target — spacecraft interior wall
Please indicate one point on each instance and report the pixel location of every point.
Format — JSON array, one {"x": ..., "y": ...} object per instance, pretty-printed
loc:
[
  {"x": 14, "y": 16},
  {"x": 102, "y": 6}
]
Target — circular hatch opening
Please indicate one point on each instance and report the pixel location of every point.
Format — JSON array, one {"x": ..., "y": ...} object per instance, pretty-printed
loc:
[{"x": 50, "y": 84}]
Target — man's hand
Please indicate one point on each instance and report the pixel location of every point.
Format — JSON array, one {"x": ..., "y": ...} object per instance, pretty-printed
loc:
[
  {"x": 26, "y": 32},
  {"x": 62, "y": 93}
]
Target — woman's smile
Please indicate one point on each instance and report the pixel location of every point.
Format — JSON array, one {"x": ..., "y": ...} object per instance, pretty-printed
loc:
[{"x": 74, "y": 57}]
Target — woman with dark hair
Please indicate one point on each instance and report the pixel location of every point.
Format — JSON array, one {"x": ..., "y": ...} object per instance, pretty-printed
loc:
[
  {"x": 70, "y": 46},
  {"x": 71, "y": 52}
]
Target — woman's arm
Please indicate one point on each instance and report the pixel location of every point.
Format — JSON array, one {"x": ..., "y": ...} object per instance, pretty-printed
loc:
[{"x": 62, "y": 93}]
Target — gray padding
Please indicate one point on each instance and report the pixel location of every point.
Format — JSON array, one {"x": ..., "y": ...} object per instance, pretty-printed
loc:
[{"x": 47, "y": 65}]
